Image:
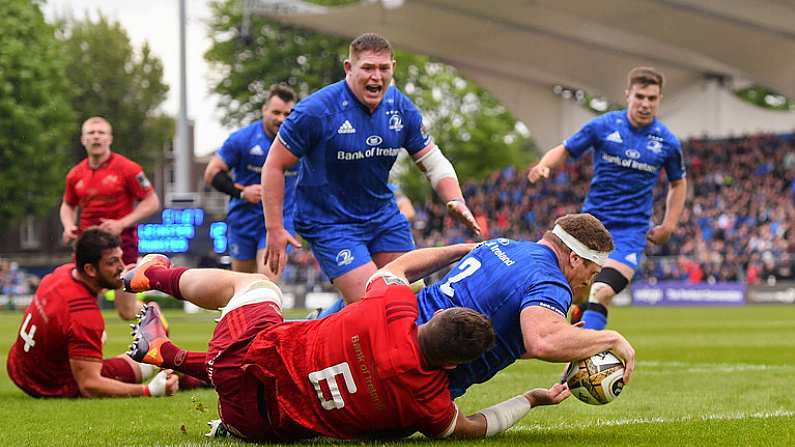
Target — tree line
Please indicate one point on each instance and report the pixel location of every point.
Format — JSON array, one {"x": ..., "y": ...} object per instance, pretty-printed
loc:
[{"x": 55, "y": 75}]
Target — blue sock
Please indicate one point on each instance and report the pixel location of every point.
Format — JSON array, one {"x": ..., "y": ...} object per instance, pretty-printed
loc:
[
  {"x": 594, "y": 320},
  {"x": 334, "y": 308}
]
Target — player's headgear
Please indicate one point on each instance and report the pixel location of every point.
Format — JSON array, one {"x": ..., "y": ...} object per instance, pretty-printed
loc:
[
  {"x": 583, "y": 234},
  {"x": 599, "y": 257}
]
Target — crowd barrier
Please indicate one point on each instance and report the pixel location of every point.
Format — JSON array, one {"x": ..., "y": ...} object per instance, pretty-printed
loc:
[
  {"x": 679, "y": 293},
  {"x": 643, "y": 294}
]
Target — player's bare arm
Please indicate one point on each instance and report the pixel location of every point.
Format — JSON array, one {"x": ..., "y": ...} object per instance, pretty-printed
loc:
[
  {"x": 674, "y": 205},
  {"x": 87, "y": 374},
  {"x": 440, "y": 172},
  {"x": 145, "y": 208},
  {"x": 68, "y": 215},
  {"x": 417, "y": 264},
  {"x": 551, "y": 160},
  {"x": 548, "y": 336},
  {"x": 498, "y": 418},
  {"x": 277, "y": 238}
]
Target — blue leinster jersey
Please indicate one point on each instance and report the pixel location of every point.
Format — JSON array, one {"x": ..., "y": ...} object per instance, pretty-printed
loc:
[
  {"x": 245, "y": 152},
  {"x": 626, "y": 165},
  {"x": 346, "y": 153},
  {"x": 499, "y": 279}
]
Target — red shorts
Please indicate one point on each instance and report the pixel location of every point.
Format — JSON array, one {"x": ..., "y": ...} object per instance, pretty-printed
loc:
[
  {"x": 129, "y": 248},
  {"x": 240, "y": 394}
]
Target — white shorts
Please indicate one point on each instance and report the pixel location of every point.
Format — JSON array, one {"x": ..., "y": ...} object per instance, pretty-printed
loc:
[{"x": 261, "y": 291}]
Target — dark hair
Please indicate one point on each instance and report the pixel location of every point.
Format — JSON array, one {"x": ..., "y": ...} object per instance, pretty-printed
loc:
[
  {"x": 644, "y": 76},
  {"x": 90, "y": 246},
  {"x": 456, "y": 335},
  {"x": 586, "y": 229},
  {"x": 369, "y": 42},
  {"x": 283, "y": 91}
]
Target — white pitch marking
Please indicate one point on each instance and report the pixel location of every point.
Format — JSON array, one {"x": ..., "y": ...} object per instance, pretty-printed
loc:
[
  {"x": 712, "y": 367},
  {"x": 656, "y": 420}
]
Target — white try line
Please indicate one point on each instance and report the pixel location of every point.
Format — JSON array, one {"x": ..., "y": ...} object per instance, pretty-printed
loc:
[
  {"x": 711, "y": 367},
  {"x": 655, "y": 420}
]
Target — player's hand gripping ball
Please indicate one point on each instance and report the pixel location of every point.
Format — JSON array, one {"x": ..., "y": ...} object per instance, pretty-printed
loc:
[{"x": 596, "y": 380}]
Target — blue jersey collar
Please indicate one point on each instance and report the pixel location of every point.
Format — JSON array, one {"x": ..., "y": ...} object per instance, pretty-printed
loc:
[
  {"x": 638, "y": 129},
  {"x": 364, "y": 107}
]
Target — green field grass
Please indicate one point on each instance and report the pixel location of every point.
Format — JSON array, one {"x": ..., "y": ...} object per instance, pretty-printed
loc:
[{"x": 706, "y": 377}]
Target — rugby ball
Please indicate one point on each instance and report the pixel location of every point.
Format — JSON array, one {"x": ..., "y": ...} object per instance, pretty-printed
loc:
[{"x": 596, "y": 380}]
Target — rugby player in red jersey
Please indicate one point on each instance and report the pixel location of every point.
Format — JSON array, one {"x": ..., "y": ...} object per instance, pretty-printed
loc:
[
  {"x": 367, "y": 371},
  {"x": 110, "y": 191},
  {"x": 58, "y": 351}
]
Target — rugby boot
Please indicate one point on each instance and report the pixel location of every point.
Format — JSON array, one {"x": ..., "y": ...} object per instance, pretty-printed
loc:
[
  {"x": 148, "y": 335},
  {"x": 135, "y": 279}
]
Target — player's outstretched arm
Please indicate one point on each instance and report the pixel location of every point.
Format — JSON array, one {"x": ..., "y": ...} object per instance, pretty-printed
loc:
[
  {"x": 498, "y": 418},
  {"x": 441, "y": 173},
  {"x": 418, "y": 264},
  {"x": 87, "y": 374},
  {"x": 277, "y": 237},
  {"x": 551, "y": 160},
  {"x": 548, "y": 336}
]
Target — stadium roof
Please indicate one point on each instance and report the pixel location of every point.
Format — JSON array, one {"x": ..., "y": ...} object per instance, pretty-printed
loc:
[
  {"x": 581, "y": 43},
  {"x": 503, "y": 44}
]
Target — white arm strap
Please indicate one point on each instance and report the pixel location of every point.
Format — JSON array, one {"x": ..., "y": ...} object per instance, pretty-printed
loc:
[
  {"x": 436, "y": 166},
  {"x": 502, "y": 416}
]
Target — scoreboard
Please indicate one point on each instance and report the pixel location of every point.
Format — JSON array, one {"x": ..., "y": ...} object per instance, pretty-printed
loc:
[{"x": 182, "y": 230}]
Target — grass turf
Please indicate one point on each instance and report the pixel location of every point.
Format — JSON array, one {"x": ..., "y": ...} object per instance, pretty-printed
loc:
[{"x": 722, "y": 376}]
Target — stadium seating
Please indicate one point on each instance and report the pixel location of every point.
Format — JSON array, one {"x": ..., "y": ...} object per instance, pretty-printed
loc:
[{"x": 737, "y": 225}]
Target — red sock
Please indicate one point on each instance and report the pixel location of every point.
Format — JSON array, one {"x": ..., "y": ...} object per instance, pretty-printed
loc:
[
  {"x": 187, "y": 382},
  {"x": 119, "y": 369},
  {"x": 186, "y": 362},
  {"x": 166, "y": 280}
]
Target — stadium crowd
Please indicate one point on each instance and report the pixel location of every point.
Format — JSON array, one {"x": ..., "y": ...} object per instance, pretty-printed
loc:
[{"x": 737, "y": 225}]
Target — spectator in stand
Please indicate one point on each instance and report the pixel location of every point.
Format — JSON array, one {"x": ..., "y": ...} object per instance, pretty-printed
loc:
[{"x": 734, "y": 214}]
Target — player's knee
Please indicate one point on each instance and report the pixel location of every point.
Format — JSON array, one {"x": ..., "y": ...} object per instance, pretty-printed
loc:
[{"x": 611, "y": 278}]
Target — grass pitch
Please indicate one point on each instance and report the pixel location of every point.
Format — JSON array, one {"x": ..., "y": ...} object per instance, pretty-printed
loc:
[{"x": 705, "y": 377}]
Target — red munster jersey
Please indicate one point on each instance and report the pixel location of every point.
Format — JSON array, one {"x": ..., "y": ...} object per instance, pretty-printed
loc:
[
  {"x": 63, "y": 321},
  {"x": 109, "y": 191},
  {"x": 354, "y": 374}
]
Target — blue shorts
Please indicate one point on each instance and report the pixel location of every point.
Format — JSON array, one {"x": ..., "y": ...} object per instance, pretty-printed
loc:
[
  {"x": 340, "y": 248},
  {"x": 244, "y": 245},
  {"x": 630, "y": 243}
]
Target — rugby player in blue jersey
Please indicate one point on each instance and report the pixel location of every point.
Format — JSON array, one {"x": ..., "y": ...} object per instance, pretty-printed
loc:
[
  {"x": 629, "y": 149},
  {"x": 525, "y": 289},
  {"x": 347, "y": 136},
  {"x": 244, "y": 153}
]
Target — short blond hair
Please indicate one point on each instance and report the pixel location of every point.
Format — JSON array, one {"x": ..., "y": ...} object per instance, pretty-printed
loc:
[{"x": 96, "y": 119}]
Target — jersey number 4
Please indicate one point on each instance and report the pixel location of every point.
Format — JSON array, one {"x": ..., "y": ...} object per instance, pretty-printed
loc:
[
  {"x": 468, "y": 267},
  {"x": 330, "y": 376},
  {"x": 27, "y": 334}
]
